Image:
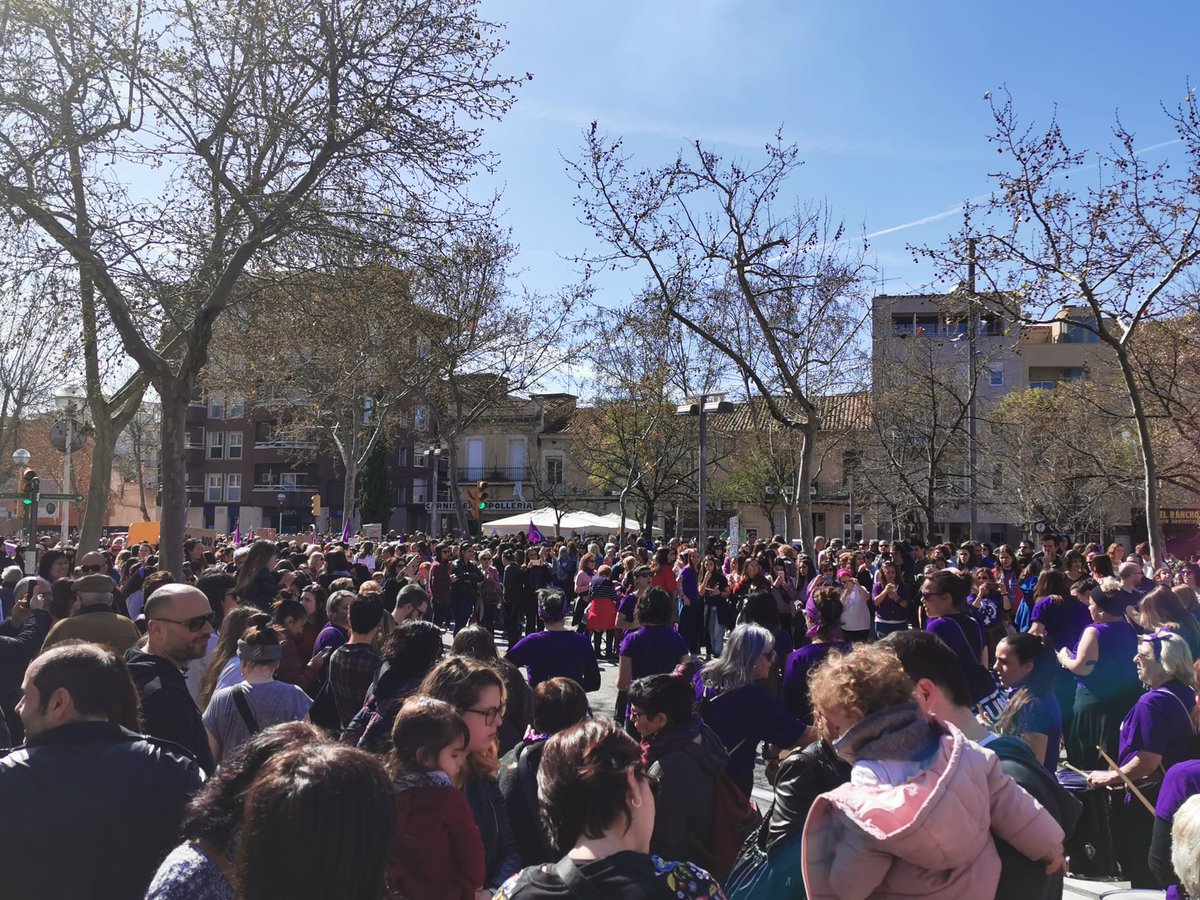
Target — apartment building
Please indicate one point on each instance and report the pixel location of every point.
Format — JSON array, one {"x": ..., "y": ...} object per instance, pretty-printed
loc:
[{"x": 933, "y": 334}]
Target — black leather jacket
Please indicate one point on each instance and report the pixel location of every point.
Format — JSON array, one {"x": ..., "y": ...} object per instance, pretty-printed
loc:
[
  {"x": 90, "y": 810},
  {"x": 803, "y": 777},
  {"x": 501, "y": 857}
]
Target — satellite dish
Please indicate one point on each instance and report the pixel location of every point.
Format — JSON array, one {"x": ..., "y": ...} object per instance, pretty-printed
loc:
[{"x": 58, "y": 436}]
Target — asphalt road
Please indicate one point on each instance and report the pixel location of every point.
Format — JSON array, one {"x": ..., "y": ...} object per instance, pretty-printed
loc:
[{"x": 604, "y": 700}]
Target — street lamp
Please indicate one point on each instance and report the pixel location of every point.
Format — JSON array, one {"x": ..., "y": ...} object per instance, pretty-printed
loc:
[
  {"x": 281, "y": 496},
  {"x": 434, "y": 453},
  {"x": 70, "y": 399},
  {"x": 702, "y": 406}
]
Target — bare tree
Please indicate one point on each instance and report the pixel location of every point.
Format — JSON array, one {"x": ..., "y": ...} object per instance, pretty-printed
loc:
[
  {"x": 775, "y": 293},
  {"x": 1114, "y": 246},
  {"x": 261, "y": 138},
  {"x": 141, "y": 439},
  {"x": 481, "y": 344}
]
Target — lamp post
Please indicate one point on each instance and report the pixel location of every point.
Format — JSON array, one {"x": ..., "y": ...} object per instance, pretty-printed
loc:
[
  {"x": 70, "y": 399},
  {"x": 434, "y": 454},
  {"x": 281, "y": 496},
  {"x": 21, "y": 459},
  {"x": 702, "y": 406}
]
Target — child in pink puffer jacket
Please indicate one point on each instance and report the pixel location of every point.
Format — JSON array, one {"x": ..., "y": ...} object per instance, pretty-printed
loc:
[{"x": 916, "y": 818}]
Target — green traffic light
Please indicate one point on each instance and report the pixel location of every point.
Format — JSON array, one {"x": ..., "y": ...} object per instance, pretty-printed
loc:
[
  {"x": 27, "y": 502},
  {"x": 483, "y": 504}
]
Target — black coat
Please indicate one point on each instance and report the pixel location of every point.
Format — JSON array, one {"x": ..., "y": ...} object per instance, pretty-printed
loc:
[
  {"x": 802, "y": 778},
  {"x": 518, "y": 784},
  {"x": 90, "y": 810},
  {"x": 501, "y": 857},
  {"x": 17, "y": 647},
  {"x": 168, "y": 710},
  {"x": 686, "y": 797}
]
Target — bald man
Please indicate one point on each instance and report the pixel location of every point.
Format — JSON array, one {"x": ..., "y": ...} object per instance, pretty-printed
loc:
[{"x": 179, "y": 620}]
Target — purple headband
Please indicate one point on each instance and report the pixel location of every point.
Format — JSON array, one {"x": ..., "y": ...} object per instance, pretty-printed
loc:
[{"x": 814, "y": 615}]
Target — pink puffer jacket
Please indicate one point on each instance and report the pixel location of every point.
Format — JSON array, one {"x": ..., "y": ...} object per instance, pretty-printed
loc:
[{"x": 930, "y": 837}]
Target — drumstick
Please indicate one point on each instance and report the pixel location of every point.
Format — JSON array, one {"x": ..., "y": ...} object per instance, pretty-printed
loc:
[
  {"x": 1071, "y": 768},
  {"x": 1128, "y": 782}
]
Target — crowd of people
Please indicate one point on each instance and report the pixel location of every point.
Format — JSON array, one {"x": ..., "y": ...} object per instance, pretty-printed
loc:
[{"x": 409, "y": 718}]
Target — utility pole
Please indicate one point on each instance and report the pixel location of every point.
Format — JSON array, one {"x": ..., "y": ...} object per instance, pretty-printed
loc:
[
  {"x": 702, "y": 406},
  {"x": 973, "y": 388}
]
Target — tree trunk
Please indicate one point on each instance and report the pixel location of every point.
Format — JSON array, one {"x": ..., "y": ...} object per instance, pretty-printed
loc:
[
  {"x": 1154, "y": 529},
  {"x": 348, "y": 491},
  {"x": 95, "y": 510},
  {"x": 174, "y": 481},
  {"x": 808, "y": 446},
  {"x": 624, "y": 507},
  {"x": 460, "y": 514}
]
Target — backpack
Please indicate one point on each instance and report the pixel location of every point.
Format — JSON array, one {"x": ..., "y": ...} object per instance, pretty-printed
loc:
[{"x": 735, "y": 818}]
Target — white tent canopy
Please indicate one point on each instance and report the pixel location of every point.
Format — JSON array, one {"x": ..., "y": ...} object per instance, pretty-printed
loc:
[{"x": 572, "y": 523}]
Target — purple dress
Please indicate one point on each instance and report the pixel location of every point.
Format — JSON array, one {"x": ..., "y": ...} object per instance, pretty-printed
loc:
[
  {"x": 1064, "y": 621},
  {"x": 796, "y": 671}
]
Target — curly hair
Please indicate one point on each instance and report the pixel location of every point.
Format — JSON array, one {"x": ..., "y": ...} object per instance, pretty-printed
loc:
[{"x": 869, "y": 678}]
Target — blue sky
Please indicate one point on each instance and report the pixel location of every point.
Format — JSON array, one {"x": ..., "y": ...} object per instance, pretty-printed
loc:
[{"x": 885, "y": 99}]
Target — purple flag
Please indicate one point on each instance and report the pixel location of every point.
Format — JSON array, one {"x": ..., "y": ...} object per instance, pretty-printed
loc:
[
  {"x": 237, "y": 533},
  {"x": 346, "y": 528},
  {"x": 535, "y": 536}
]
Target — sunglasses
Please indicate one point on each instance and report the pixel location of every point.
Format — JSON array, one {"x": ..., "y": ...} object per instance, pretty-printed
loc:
[
  {"x": 86, "y": 569},
  {"x": 195, "y": 624},
  {"x": 489, "y": 715}
]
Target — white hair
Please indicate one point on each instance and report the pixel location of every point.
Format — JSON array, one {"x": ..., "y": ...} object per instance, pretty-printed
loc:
[
  {"x": 1185, "y": 845},
  {"x": 240, "y": 554}
]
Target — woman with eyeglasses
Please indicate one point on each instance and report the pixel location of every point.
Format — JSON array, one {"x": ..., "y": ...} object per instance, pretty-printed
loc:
[
  {"x": 476, "y": 690},
  {"x": 739, "y": 709},
  {"x": 1155, "y": 734},
  {"x": 599, "y": 813}
]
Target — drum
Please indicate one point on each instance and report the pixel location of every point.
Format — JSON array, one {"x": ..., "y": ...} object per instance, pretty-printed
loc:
[
  {"x": 1090, "y": 848},
  {"x": 1133, "y": 894}
]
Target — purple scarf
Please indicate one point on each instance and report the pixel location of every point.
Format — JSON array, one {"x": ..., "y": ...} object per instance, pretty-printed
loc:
[{"x": 670, "y": 740}]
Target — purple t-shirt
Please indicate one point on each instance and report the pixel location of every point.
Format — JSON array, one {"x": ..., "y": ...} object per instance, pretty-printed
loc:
[
  {"x": 963, "y": 634},
  {"x": 1160, "y": 722},
  {"x": 890, "y": 609},
  {"x": 548, "y": 654},
  {"x": 331, "y": 636},
  {"x": 628, "y": 605},
  {"x": 1181, "y": 782},
  {"x": 795, "y": 674},
  {"x": 654, "y": 650},
  {"x": 1064, "y": 622},
  {"x": 744, "y": 717}
]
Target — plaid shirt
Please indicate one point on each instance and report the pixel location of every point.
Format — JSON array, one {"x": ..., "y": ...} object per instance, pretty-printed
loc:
[{"x": 352, "y": 669}]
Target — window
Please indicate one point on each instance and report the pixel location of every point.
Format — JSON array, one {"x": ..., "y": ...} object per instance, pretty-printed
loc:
[
  {"x": 554, "y": 470},
  {"x": 216, "y": 445},
  {"x": 420, "y": 419},
  {"x": 996, "y": 377},
  {"x": 420, "y": 490},
  {"x": 1041, "y": 385},
  {"x": 233, "y": 488},
  {"x": 291, "y": 481},
  {"x": 997, "y": 476},
  {"x": 234, "y": 443},
  {"x": 216, "y": 407},
  {"x": 858, "y": 527},
  {"x": 421, "y": 460},
  {"x": 401, "y": 495},
  {"x": 237, "y": 408},
  {"x": 402, "y": 459},
  {"x": 851, "y": 465},
  {"x": 213, "y": 494}
]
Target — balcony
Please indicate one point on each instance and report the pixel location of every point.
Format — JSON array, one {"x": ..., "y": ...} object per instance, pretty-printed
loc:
[
  {"x": 283, "y": 444},
  {"x": 497, "y": 475},
  {"x": 287, "y": 488}
]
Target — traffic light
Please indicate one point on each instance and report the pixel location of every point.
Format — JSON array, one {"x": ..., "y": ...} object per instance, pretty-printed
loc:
[
  {"x": 316, "y": 506},
  {"x": 482, "y": 490},
  {"x": 29, "y": 486},
  {"x": 473, "y": 500}
]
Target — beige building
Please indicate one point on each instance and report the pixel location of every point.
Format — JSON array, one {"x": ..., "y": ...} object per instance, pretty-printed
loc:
[{"x": 1007, "y": 357}]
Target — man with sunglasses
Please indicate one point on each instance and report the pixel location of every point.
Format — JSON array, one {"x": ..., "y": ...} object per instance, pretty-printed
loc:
[{"x": 179, "y": 620}]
